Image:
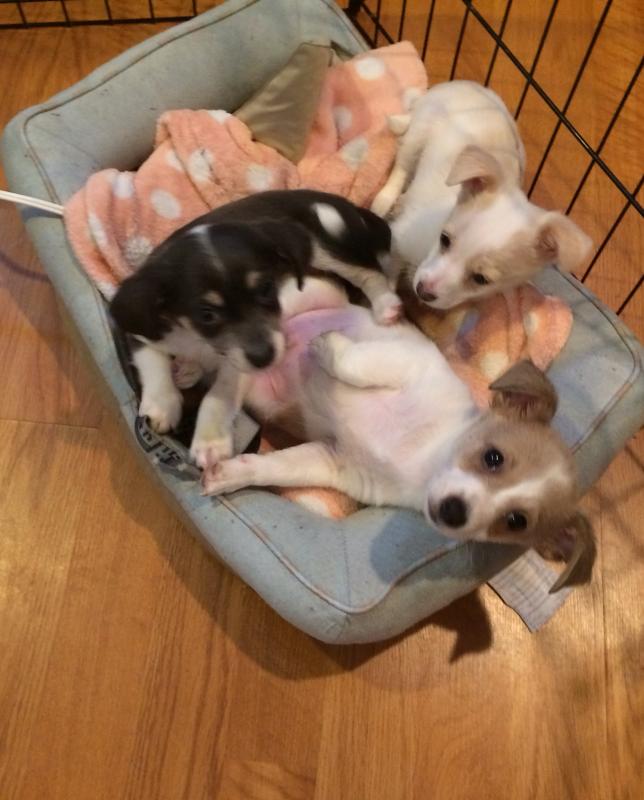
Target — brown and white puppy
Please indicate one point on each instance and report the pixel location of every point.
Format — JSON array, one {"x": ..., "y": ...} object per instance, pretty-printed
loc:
[
  {"x": 463, "y": 228},
  {"x": 387, "y": 421}
]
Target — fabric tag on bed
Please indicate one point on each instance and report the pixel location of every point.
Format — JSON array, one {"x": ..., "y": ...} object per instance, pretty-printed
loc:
[{"x": 525, "y": 584}]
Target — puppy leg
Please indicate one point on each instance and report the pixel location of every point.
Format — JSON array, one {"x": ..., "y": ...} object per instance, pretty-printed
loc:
[
  {"x": 161, "y": 401},
  {"x": 186, "y": 373},
  {"x": 386, "y": 198},
  {"x": 386, "y": 305},
  {"x": 311, "y": 464},
  {"x": 365, "y": 365},
  {"x": 409, "y": 150},
  {"x": 212, "y": 440}
]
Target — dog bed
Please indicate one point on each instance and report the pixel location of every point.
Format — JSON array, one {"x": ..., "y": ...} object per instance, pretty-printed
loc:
[{"x": 377, "y": 572}]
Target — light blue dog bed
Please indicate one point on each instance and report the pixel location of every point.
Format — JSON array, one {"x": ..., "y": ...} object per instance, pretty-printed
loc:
[{"x": 377, "y": 573}]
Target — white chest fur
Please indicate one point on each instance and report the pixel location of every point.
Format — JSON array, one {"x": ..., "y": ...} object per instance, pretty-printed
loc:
[{"x": 187, "y": 344}]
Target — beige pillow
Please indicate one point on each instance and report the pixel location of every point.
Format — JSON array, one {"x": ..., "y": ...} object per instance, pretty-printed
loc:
[{"x": 281, "y": 113}]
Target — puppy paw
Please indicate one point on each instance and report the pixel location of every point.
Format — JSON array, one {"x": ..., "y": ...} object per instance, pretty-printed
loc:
[
  {"x": 163, "y": 410},
  {"x": 328, "y": 347},
  {"x": 383, "y": 202},
  {"x": 388, "y": 309},
  {"x": 398, "y": 124},
  {"x": 207, "y": 453},
  {"x": 186, "y": 373},
  {"x": 227, "y": 476}
]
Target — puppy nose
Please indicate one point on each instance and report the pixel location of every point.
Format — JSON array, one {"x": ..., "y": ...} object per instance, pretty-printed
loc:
[
  {"x": 424, "y": 294},
  {"x": 260, "y": 354},
  {"x": 453, "y": 511}
]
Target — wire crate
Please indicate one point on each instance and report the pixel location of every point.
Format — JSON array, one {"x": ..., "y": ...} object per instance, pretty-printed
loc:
[{"x": 571, "y": 80}]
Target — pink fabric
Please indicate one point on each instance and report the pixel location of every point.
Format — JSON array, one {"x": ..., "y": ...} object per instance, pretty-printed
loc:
[
  {"x": 203, "y": 159},
  {"x": 482, "y": 340}
]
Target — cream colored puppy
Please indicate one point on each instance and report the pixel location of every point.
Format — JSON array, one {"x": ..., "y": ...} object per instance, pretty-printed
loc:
[{"x": 462, "y": 226}]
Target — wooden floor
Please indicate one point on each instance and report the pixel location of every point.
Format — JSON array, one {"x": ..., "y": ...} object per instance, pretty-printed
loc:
[{"x": 134, "y": 666}]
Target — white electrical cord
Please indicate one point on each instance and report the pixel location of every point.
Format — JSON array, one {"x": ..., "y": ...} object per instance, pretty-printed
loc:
[{"x": 33, "y": 202}]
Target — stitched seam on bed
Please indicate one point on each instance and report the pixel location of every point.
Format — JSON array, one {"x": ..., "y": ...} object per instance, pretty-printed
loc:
[
  {"x": 110, "y": 77},
  {"x": 636, "y": 369},
  {"x": 287, "y": 563}
]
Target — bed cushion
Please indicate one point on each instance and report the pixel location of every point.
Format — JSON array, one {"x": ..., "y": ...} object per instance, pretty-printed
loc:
[{"x": 370, "y": 576}]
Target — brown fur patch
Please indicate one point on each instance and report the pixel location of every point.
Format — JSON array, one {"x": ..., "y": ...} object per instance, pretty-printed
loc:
[
  {"x": 252, "y": 279},
  {"x": 214, "y": 298},
  {"x": 518, "y": 258}
]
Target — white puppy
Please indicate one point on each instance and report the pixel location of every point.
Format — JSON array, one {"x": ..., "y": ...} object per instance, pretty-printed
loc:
[
  {"x": 464, "y": 228},
  {"x": 387, "y": 421}
]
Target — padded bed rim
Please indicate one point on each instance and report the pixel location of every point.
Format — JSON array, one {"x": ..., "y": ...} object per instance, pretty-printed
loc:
[{"x": 120, "y": 63}]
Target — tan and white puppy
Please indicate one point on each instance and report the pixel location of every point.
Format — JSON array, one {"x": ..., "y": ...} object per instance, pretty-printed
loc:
[
  {"x": 462, "y": 226},
  {"x": 387, "y": 421}
]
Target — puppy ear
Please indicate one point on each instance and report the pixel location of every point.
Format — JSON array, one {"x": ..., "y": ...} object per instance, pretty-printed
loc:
[
  {"x": 524, "y": 392},
  {"x": 291, "y": 246},
  {"x": 559, "y": 241},
  {"x": 476, "y": 170},
  {"x": 378, "y": 231},
  {"x": 575, "y": 544},
  {"x": 137, "y": 305}
]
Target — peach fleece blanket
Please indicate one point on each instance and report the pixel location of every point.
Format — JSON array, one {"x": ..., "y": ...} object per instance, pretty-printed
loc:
[{"x": 203, "y": 159}]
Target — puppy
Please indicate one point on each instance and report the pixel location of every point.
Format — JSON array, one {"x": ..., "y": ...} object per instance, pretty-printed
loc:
[
  {"x": 387, "y": 421},
  {"x": 464, "y": 227},
  {"x": 210, "y": 295}
]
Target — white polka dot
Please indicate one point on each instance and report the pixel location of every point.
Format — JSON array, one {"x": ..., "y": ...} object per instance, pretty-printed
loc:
[
  {"x": 97, "y": 231},
  {"x": 219, "y": 115},
  {"x": 122, "y": 184},
  {"x": 343, "y": 118},
  {"x": 353, "y": 152},
  {"x": 530, "y": 322},
  {"x": 330, "y": 219},
  {"x": 410, "y": 96},
  {"x": 172, "y": 160},
  {"x": 370, "y": 68},
  {"x": 200, "y": 163},
  {"x": 136, "y": 249},
  {"x": 259, "y": 178},
  {"x": 165, "y": 204},
  {"x": 493, "y": 364}
]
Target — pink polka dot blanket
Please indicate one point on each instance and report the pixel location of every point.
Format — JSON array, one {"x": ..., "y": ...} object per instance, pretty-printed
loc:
[{"x": 203, "y": 159}]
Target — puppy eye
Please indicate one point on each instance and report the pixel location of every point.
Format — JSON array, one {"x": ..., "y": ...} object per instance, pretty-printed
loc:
[
  {"x": 516, "y": 521},
  {"x": 445, "y": 241},
  {"x": 265, "y": 289},
  {"x": 208, "y": 315},
  {"x": 493, "y": 459},
  {"x": 477, "y": 277}
]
